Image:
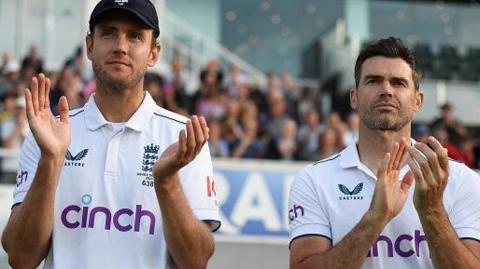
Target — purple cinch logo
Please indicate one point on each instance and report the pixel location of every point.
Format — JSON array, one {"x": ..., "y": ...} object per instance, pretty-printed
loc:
[
  {"x": 124, "y": 219},
  {"x": 394, "y": 245},
  {"x": 295, "y": 212}
]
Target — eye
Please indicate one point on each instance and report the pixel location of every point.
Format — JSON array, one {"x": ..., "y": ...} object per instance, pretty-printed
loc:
[
  {"x": 399, "y": 83},
  {"x": 106, "y": 33},
  {"x": 372, "y": 81},
  {"x": 135, "y": 36}
]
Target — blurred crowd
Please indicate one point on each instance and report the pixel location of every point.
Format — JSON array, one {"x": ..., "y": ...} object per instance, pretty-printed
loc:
[{"x": 277, "y": 121}]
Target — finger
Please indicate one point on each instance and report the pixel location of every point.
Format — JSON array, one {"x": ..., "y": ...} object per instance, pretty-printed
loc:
[
  {"x": 430, "y": 155},
  {"x": 182, "y": 145},
  {"x": 205, "y": 129},
  {"x": 393, "y": 156},
  {"x": 47, "y": 93},
  {"x": 429, "y": 162},
  {"x": 400, "y": 154},
  {"x": 41, "y": 91},
  {"x": 63, "y": 110},
  {"x": 190, "y": 138},
  {"x": 383, "y": 167},
  {"x": 440, "y": 151},
  {"x": 199, "y": 139},
  {"x": 407, "y": 181},
  {"x": 34, "y": 91},
  {"x": 415, "y": 167},
  {"x": 29, "y": 104}
]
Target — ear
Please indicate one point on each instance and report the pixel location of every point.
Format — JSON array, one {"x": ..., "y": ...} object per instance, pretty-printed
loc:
[
  {"x": 419, "y": 95},
  {"x": 154, "y": 54},
  {"x": 353, "y": 98},
  {"x": 89, "y": 45}
]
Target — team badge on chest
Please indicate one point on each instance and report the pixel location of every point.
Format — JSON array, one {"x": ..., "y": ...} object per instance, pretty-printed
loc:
[{"x": 150, "y": 156}]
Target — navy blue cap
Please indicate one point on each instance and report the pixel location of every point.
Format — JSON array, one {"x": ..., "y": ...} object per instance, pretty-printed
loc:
[{"x": 142, "y": 9}]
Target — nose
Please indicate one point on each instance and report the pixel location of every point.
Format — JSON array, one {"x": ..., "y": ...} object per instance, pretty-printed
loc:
[
  {"x": 121, "y": 44},
  {"x": 386, "y": 90}
]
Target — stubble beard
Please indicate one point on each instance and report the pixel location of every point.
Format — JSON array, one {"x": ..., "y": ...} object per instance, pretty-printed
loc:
[
  {"x": 107, "y": 81},
  {"x": 385, "y": 121}
]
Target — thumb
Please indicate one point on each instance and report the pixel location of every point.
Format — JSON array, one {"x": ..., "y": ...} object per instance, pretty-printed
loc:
[
  {"x": 407, "y": 181},
  {"x": 63, "y": 109}
]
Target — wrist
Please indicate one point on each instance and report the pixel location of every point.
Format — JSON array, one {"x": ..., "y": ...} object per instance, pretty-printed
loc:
[
  {"x": 167, "y": 183},
  {"x": 432, "y": 213},
  {"x": 53, "y": 157},
  {"x": 373, "y": 218}
]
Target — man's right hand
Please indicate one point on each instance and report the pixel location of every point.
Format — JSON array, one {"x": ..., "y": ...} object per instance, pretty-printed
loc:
[
  {"x": 390, "y": 194},
  {"x": 52, "y": 135}
]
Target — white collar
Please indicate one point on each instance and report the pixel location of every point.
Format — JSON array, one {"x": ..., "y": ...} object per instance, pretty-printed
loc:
[{"x": 138, "y": 121}]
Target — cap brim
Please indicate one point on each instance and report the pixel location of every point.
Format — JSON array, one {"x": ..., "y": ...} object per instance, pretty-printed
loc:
[{"x": 92, "y": 22}]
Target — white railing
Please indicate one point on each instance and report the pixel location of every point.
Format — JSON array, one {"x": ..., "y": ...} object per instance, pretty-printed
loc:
[{"x": 196, "y": 48}]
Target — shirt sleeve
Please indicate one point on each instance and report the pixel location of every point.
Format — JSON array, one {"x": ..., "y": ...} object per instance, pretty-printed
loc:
[
  {"x": 199, "y": 187},
  {"x": 26, "y": 169},
  {"x": 306, "y": 215},
  {"x": 465, "y": 213}
]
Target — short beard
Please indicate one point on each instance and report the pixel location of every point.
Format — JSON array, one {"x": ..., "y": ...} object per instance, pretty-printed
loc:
[
  {"x": 105, "y": 80},
  {"x": 383, "y": 122}
]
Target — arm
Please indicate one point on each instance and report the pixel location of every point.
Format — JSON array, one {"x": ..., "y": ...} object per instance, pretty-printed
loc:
[
  {"x": 431, "y": 175},
  {"x": 317, "y": 252},
  {"x": 189, "y": 240},
  {"x": 26, "y": 238},
  {"x": 388, "y": 199}
]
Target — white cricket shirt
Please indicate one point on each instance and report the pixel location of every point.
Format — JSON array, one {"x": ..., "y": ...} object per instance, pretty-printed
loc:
[
  {"x": 330, "y": 197},
  {"x": 106, "y": 210}
]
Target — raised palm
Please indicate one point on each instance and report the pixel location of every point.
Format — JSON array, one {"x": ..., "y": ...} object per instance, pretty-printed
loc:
[
  {"x": 182, "y": 152},
  {"x": 390, "y": 193},
  {"x": 51, "y": 134}
]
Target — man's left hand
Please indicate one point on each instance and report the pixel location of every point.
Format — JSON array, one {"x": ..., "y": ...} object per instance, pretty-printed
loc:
[
  {"x": 182, "y": 152},
  {"x": 429, "y": 164}
]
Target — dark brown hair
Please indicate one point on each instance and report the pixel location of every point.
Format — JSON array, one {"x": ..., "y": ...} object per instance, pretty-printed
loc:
[{"x": 391, "y": 47}]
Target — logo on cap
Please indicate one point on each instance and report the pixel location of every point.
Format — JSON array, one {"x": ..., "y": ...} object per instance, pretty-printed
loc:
[{"x": 121, "y": 2}]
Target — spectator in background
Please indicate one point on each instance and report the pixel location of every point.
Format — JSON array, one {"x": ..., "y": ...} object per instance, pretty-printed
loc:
[
  {"x": 32, "y": 64},
  {"x": 353, "y": 123},
  {"x": 467, "y": 151},
  {"x": 179, "y": 87},
  {"x": 217, "y": 145},
  {"x": 68, "y": 84},
  {"x": 277, "y": 116},
  {"x": 233, "y": 81},
  {"x": 231, "y": 119},
  {"x": 454, "y": 128},
  {"x": 13, "y": 127},
  {"x": 286, "y": 143},
  {"x": 328, "y": 144},
  {"x": 305, "y": 104},
  {"x": 208, "y": 100},
  {"x": 154, "y": 84},
  {"x": 335, "y": 122},
  {"x": 250, "y": 145},
  {"x": 288, "y": 89},
  {"x": 441, "y": 134},
  {"x": 10, "y": 75},
  {"x": 8, "y": 62},
  {"x": 309, "y": 135}
]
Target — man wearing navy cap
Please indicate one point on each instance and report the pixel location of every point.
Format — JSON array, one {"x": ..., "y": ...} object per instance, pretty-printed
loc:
[{"x": 121, "y": 182}]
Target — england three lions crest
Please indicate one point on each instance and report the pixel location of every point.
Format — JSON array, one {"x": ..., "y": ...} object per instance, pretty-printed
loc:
[{"x": 150, "y": 156}]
